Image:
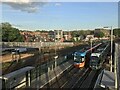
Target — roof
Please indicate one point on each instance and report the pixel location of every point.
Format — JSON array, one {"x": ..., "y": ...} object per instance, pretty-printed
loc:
[
  {"x": 108, "y": 79},
  {"x": 95, "y": 54},
  {"x": 80, "y": 53},
  {"x": 18, "y": 72}
]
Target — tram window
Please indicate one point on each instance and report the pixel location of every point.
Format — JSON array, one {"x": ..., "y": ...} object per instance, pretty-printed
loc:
[
  {"x": 77, "y": 59},
  {"x": 94, "y": 58},
  {"x": 93, "y": 63},
  {"x": 82, "y": 59}
]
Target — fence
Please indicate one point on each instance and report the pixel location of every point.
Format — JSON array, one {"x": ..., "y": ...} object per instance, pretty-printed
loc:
[
  {"x": 24, "y": 78},
  {"x": 36, "y": 44}
]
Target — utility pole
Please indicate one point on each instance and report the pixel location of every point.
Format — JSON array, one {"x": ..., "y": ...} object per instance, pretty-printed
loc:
[
  {"x": 91, "y": 45},
  {"x": 111, "y": 35},
  {"x": 55, "y": 55},
  {"x": 116, "y": 66},
  {"x": 111, "y": 48}
]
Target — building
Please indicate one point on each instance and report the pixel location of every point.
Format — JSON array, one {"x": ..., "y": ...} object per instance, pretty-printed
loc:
[
  {"x": 58, "y": 35},
  {"x": 44, "y": 36},
  {"x": 28, "y": 35},
  {"x": 67, "y": 36},
  {"x": 33, "y": 36},
  {"x": 89, "y": 37},
  {"x": 51, "y": 36},
  {"x": 78, "y": 38}
]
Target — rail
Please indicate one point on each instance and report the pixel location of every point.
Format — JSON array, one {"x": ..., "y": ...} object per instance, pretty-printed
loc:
[
  {"x": 98, "y": 81},
  {"x": 79, "y": 82}
]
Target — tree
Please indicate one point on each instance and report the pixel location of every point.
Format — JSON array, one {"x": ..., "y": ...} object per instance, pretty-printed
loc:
[
  {"x": 10, "y": 34},
  {"x": 92, "y": 32},
  {"x": 116, "y": 32},
  {"x": 99, "y": 35}
]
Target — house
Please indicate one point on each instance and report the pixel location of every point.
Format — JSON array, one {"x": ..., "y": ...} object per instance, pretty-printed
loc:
[
  {"x": 67, "y": 36},
  {"x": 51, "y": 36},
  {"x": 58, "y": 35},
  {"x": 89, "y": 37},
  {"x": 34, "y": 36}
]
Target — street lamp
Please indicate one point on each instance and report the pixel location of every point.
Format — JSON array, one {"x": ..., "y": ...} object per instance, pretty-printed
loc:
[
  {"x": 91, "y": 44},
  {"x": 111, "y": 58}
]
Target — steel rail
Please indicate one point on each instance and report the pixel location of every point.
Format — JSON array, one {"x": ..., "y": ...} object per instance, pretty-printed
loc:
[{"x": 82, "y": 78}]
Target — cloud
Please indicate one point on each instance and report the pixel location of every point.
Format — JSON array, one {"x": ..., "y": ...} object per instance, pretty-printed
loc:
[
  {"x": 57, "y": 4},
  {"x": 25, "y": 5}
]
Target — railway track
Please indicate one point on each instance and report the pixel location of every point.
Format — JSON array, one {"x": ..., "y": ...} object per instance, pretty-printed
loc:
[
  {"x": 28, "y": 61},
  {"x": 75, "y": 78},
  {"x": 38, "y": 59},
  {"x": 71, "y": 78},
  {"x": 87, "y": 81},
  {"x": 81, "y": 79},
  {"x": 63, "y": 77},
  {"x": 70, "y": 83},
  {"x": 67, "y": 79}
]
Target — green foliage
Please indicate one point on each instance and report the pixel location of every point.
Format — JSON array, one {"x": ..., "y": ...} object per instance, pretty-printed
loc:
[
  {"x": 42, "y": 31},
  {"x": 116, "y": 32},
  {"x": 10, "y": 34},
  {"x": 99, "y": 35},
  {"x": 81, "y": 32}
]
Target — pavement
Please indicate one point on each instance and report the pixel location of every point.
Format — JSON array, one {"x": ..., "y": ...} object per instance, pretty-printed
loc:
[{"x": 108, "y": 80}]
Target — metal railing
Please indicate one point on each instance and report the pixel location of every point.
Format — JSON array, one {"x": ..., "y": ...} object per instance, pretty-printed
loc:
[
  {"x": 36, "y": 44},
  {"x": 98, "y": 81},
  {"x": 35, "y": 73}
]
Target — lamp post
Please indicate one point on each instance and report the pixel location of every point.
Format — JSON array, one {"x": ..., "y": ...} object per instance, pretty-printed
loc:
[
  {"x": 115, "y": 61},
  {"x": 111, "y": 58},
  {"x": 91, "y": 44}
]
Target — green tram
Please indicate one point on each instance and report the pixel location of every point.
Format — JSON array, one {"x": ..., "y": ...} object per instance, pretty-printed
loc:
[{"x": 98, "y": 57}]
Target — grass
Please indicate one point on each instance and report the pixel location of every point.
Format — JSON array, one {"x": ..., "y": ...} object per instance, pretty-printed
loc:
[{"x": 6, "y": 65}]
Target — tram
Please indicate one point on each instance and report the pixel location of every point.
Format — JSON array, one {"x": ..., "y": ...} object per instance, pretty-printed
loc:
[
  {"x": 82, "y": 57},
  {"x": 98, "y": 57}
]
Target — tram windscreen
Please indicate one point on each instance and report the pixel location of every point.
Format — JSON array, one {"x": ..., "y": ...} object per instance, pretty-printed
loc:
[
  {"x": 94, "y": 60},
  {"x": 78, "y": 59}
]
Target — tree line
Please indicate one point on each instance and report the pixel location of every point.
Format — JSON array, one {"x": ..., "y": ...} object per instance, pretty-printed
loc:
[{"x": 10, "y": 34}]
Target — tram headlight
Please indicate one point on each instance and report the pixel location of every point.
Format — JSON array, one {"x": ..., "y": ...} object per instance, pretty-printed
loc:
[{"x": 75, "y": 58}]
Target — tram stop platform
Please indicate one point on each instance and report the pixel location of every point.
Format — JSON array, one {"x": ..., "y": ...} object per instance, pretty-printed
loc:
[{"x": 106, "y": 80}]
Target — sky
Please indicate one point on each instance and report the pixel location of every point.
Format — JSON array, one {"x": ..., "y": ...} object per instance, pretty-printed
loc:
[{"x": 60, "y": 15}]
